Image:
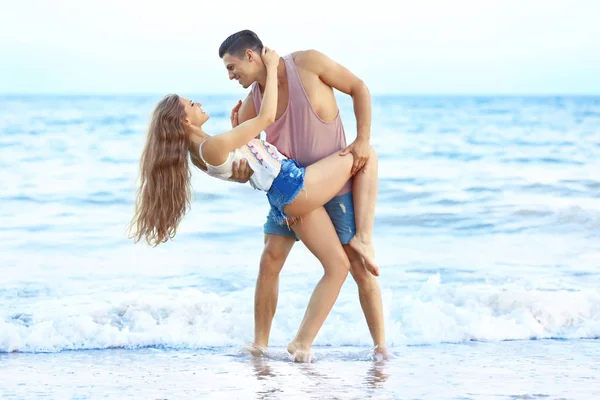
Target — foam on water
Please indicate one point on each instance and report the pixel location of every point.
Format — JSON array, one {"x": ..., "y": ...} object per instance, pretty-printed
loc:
[{"x": 187, "y": 318}]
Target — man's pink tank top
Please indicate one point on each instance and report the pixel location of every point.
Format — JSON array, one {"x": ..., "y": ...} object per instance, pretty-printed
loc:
[{"x": 300, "y": 133}]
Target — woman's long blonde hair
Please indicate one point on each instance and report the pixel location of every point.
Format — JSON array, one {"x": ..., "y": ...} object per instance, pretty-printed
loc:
[{"x": 164, "y": 194}]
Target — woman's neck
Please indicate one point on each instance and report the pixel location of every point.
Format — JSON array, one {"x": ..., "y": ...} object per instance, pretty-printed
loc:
[{"x": 197, "y": 136}]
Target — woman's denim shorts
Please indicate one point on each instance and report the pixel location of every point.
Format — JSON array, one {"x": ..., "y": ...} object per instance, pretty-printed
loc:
[{"x": 285, "y": 188}]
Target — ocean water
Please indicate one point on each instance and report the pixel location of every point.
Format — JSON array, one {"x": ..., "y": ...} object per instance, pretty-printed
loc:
[{"x": 487, "y": 233}]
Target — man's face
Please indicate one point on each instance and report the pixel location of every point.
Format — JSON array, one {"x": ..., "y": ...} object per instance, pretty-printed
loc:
[{"x": 242, "y": 69}]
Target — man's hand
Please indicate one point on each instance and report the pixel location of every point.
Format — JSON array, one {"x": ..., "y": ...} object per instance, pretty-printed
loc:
[
  {"x": 234, "y": 114},
  {"x": 241, "y": 172},
  {"x": 360, "y": 150}
]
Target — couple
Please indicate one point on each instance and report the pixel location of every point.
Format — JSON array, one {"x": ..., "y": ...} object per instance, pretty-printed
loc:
[{"x": 304, "y": 166}]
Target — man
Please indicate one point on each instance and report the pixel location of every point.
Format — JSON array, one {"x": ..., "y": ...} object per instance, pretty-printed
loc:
[{"x": 307, "y": 128}]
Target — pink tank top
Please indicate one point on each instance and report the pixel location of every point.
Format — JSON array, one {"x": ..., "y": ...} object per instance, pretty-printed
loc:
[{"x": 300, "y": 133}]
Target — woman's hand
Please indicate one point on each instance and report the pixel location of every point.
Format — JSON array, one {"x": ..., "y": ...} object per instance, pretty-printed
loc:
[{"x": 270, "y": 58}]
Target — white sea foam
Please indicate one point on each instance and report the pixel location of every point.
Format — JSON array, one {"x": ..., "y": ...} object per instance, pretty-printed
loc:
[{"x": 190, "y": 319}]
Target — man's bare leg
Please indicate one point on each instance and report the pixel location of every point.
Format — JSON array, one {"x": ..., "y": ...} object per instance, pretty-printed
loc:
[
  {"x": 369, "y": 294},
  {"x": 273, "y": 257}
]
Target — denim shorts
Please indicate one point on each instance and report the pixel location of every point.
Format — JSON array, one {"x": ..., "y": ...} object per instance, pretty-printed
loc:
[
  {"x": 340, "y": 210},
  {"x": 285, "y": 188}
]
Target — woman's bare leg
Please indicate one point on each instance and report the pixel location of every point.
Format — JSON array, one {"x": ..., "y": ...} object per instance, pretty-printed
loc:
[
  {"x": 364, "y": 192},
  {"x": 325, "y": 178},
  {"x": 318, "y": 234}
]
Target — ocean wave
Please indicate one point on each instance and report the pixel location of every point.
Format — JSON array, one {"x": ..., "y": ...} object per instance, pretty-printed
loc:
[{"x": 189, "y": 319}]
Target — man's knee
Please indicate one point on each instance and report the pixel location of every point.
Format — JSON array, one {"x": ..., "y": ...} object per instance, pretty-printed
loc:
[
  {"x": 274, "y": 254},
  {"x": 357, "y": 268},
  {"x": 360, "y": 273}
]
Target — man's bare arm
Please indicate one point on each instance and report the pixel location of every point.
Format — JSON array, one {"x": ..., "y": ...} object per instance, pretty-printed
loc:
[
  {"x": 338, "y": 77},
  {"x": 247, "y": 110}
]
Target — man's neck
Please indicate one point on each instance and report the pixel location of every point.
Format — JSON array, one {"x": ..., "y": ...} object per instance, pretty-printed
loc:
[{"x": 281, "y": 76}]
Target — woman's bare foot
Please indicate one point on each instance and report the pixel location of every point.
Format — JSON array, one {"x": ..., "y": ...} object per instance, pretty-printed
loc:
[
  {"x": 299, "y": 352},
  {"x": 367, "y": 252}
]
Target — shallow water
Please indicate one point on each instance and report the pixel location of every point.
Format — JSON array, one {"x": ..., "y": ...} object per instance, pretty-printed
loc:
[
  {"x": 506, "y": 370},
  {"x": 486, "y": 230}
]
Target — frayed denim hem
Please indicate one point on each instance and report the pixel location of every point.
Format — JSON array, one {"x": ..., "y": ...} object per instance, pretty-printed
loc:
[
  {"x": 284, "y": 189},
  {"x": 280, "y": 217}
]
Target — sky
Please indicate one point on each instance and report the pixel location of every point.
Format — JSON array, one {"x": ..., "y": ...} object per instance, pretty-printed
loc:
[{"x": 396, "y": 47}]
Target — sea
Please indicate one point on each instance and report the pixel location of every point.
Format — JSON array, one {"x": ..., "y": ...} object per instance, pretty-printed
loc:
[{"x": 487, "y": 233}]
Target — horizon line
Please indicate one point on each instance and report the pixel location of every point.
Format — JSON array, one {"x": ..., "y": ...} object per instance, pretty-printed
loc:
[{"x": 373, "y": 94}]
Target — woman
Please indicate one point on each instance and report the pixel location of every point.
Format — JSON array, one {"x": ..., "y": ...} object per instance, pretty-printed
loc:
[{"x": 292, "y": 191}]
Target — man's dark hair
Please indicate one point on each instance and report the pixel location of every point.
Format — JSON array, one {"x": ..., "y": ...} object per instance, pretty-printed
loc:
[{"x": 239, "y": 42}]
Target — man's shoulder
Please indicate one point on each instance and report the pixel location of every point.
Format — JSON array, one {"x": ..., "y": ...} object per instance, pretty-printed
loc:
[
  {"x": 306, "y": 58},
  {"x": 249, "y": 97}
]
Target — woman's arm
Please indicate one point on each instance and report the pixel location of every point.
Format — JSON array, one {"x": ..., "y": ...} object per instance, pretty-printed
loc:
[{"x": 216, "y": 149}]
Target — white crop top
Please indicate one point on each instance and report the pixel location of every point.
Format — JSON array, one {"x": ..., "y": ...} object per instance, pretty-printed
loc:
[{"x": 263, "y": 158}]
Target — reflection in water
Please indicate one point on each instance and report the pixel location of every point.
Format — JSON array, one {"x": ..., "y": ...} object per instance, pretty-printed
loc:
[
  {"x": 270, "y": 385},
  {"x": 280, "y": 376},
  {"x": 261, "y": 366},
  {"x": 376, "y": 375}
]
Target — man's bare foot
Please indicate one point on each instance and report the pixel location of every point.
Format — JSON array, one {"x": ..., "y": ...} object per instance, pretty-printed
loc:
[
  {"x": 380, "y": 353},
  {"x": 255, "y": 350},
  {"x": 300, "y": 353},
  {"x": 367, "y": 252}
]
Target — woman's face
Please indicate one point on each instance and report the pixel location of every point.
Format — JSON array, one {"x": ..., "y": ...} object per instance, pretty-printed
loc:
[{"x": 194, "y": 113}]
